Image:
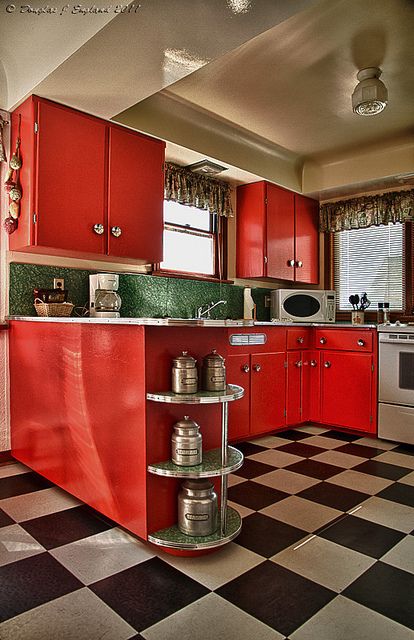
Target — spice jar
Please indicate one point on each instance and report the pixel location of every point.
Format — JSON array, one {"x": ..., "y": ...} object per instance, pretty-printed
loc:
[
  {"x": 213, "y": 374},
  {"x": 197, "y": 508},
  {"x": 186, "y": 443},
  {"x": 184, "y": 374}
]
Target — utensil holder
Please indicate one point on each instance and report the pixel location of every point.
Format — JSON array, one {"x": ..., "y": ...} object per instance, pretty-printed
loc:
[{"x": 357, "y": 317}]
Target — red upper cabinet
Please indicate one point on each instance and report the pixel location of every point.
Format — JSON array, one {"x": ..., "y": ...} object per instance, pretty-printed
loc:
[
  {"x": 277, "y": 234},
  {"x": 83, "y": 180}
]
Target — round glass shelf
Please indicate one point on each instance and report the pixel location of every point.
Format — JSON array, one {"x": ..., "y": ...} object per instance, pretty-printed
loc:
[
  {"x": 232, "y": 392},
  {"x": 211, "y": 465},
  {"x": 173, "y": 538}
]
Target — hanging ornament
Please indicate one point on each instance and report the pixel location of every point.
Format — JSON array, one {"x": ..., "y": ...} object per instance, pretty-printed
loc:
[
  {"x": 3, "y": 157},
  {"x": 15, "y": 193},
  {"x": 14, "y": 210},
  {"x": 12, "y": 183},
  {"x": 16, "y": 161},
  {"x": 10, "y": 225}
]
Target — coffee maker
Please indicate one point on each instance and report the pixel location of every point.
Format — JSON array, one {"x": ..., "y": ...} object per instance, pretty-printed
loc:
[{"x": 104, "y": 301}]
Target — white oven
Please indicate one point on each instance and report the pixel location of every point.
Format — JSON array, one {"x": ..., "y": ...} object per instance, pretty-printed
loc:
[{"x": 396, "y": 383}]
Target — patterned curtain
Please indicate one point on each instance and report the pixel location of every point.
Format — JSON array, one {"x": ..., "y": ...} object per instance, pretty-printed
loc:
[
  {"x": 367, "y": 211},
  {"x": 186, "y": 187}
]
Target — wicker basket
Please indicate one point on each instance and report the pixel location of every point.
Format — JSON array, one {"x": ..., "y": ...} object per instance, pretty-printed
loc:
[{"x": 53, "y": 309}]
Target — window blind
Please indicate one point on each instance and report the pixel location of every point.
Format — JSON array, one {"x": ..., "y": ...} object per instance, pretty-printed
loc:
[{"x": 370, "y": 260}]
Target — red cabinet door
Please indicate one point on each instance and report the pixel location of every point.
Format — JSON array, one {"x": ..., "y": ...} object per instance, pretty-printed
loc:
[
  {"x": 346, "y": 390},
  {"x": 238, "y": 372},
  {"x": 135, "y": 196},
  {"x": 267, "y": 391},
  {"x": 311, "y": 386},
  {"x": 251, "y": 230},
  {"x": 280, "y": 250},
  {"x": 70, "y": 189},
  {"x": 294, "y": 388},
  {"x": 306, "y": 240}
]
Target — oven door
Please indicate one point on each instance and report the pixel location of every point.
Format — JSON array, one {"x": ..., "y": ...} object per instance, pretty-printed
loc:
[{"x": 396, "y": 371}]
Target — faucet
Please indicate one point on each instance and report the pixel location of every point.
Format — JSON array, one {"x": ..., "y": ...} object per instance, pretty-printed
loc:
[{"x": 205, "y": 309}]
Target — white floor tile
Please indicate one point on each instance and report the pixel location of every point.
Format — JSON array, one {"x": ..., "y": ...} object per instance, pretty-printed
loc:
[
  {"x": 270, "y": 441},
  {"x": 339, "y": 459},
  {"x": 275, "y": 457},
  {"x": 390, "y": 514},
  {"x": 343, "y": 619},
  {"x": 16, "y": 544},
  {"x": 287, "y": 481},
  {"x": 399, "y": 459},
  {"x": 39, "y": 503},
  {"x": 243, "y": 511},
  {"x": 210, "y": 618},
  {"x": 377, "y": 443},
  {"x": 14, "y": 469},
  {"x": 311, "y": 429},
  {"x": 324, "y": 443},
  {"x": 360, "y": 481},
  {"x": 301, "y": 513},
  {"x": 80, "y": 615},
  {"x": 215, "y": 569},
  {"x": 402, "y": 555},
  {"x": 99, "y": 556},
  {"x": 408, "y": 479},
  {"x": 325, "y": 562},
  {"x": 233, "y": 480}
]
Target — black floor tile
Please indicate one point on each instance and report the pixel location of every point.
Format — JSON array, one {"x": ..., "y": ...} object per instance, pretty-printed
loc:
[
  {"x": 314, "y": 469},
  {"x": 333, "y": 496},
  {"x": 248, "y": 448},
  {"x": 23, "y": 483},
  {"x": 5, "y": 520},
  {"x": 361, "y": 535},
  {"x": 254, "y": 495},
  {"x": 382, "y": 469},
  {"x": 276, "y": 596},
  {"x": 252, "y": 469},
  {"x": 267, "y": 536},
  {"x": 398, "y": 492},
  {"x": 387, "y": 590},
  {"x": 63, "y": 527},
  {"x": 148, "y": 592},
  {"x": 31, "y": 582},
  {"x": 340, "y": 435},
  {"x": 301, "y": 449},
  {"x": 408, "y": 449},
  {"x": 360, "y": 450},
  {"x": 292, "y": 434}
]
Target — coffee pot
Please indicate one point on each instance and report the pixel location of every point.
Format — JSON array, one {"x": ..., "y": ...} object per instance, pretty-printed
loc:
[{"x": 104, "y": 299}]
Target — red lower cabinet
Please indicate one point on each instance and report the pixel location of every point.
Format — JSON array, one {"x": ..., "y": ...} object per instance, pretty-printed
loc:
[
  {"x": 238, "y": 372},
  {"x": 294, "y": 387},
  {"x": 268, "y": 388},
  {"x": 347, "y": 386}
]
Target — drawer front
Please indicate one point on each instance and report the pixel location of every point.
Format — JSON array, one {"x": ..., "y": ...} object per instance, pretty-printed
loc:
[
  {"x": 250, "y": 339},
  {"x": 298, "y": 338},
  {"x": 344, "y": 339}
]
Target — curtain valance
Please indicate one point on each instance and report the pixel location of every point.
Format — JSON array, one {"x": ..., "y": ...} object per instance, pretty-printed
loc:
[
  {"x": 367, "y": 211},
  {"x": 186, "y": 187}
]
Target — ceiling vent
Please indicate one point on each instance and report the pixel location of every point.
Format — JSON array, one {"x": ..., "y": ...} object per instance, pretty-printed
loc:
[
  {"x": 206, "y": 167},
  {"x": 370, "y": 95}
]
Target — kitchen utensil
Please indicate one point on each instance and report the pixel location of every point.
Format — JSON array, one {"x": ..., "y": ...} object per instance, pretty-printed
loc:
[
  {"x": 356, "y": 300},
  {"x": 186, "y": 443},
  {"x": 197, "y": 508},
  {"x": 352, "y": 301},
  {"x": 213, "y": 373},
  {"x": 184, "y": 374}
]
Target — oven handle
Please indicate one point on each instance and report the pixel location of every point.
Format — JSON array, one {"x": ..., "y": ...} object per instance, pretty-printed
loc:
[{"x": 401, "y": 343}]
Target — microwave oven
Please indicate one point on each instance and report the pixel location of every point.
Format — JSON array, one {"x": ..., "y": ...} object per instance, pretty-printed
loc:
[{"x": 302, "y": 305}]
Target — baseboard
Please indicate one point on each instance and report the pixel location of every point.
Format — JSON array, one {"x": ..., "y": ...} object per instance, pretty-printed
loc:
[{"x": 6, "y": 456}]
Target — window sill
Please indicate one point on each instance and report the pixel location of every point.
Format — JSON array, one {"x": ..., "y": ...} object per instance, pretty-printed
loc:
[{"x": 189, "y": 276}]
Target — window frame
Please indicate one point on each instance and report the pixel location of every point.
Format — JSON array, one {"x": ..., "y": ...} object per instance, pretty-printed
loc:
[{"x": 408, "y": 277}]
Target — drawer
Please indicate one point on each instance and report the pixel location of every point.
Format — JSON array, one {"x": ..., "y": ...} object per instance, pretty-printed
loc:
[
  {"x": 298, "y": 338},
  {"x": 344, "y": 339},
  {"x": 256, "y": 339}
]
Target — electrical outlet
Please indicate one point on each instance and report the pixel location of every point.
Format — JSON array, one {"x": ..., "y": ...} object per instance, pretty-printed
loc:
[
  {"x": 59, "y": 283},
  {"x": 267, "y": 301}
]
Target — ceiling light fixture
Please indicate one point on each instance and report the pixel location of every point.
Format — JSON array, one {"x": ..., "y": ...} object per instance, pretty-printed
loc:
[
  {"x": 370, "y": 95},
  {"x": 206, "y": 167}
]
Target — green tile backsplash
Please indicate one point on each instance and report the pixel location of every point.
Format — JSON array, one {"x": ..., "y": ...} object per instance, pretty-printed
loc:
[{"x": 142, "y": 295}]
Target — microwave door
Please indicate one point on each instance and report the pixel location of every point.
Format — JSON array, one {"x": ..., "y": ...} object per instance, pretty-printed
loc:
[{"x": 302, "y": 306}]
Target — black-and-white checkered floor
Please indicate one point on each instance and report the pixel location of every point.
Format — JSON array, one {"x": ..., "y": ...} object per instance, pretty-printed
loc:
[{"x": 326, "y": 552}]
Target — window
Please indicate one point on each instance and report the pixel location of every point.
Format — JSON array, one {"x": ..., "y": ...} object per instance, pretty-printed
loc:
[
  {"x": 370, "y": 260},
  {"x": 189, "y": 240}
]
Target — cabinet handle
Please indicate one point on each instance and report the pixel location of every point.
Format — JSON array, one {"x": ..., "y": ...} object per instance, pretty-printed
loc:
[
  {"x": 361, "y": 343},
  {"x": 265, "y": 260},
  {"x": 290, "y": 263},
  {"x": 298, "y": 363},
  {"x": 313, "y": 363},
  {"x": 245, "y": 368},
  {"x": 299, "y": 263},
  {"x": 323, "y": 340},
  {"x": 327, "y": 364},
  {"x": 116, "y": 231},
  {"x": 301, "y": 340},
  {"x": 98, "y": 228},
  {"x": 257, "y": 367}
]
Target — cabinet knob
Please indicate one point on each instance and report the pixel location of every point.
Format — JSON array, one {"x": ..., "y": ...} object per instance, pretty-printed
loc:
[
  {"x": 245, "y": 368},
  {"x": 290, "y": 263},
  {"x": 257, "y": 367},
  {"x": 327, "y": 364},
  {"x": 298, "y": 363},
  {"x": 116, "y": 231},
  {"x": 299, "y": 263},
  {"x": 301, "y": 340},
  {"x": 313, "y": 363},
  {"x": 98, "y": 228},
  {"x": 265, "y": 259},
  {"x": 323, "y": 340},
  {"x": 361, "y": 343}
]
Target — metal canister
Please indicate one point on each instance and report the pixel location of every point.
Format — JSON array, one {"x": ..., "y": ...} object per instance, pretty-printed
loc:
[
  {"x": 213, "y": 375},
  {"x": 184, "y": 374},
  {"x": 186, "y": 443},
  {"x": 197, "y": 508}
]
